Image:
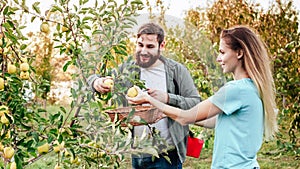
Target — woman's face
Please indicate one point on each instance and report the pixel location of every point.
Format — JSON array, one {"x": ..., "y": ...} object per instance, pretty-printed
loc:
[{"x": 228, "y": 58}]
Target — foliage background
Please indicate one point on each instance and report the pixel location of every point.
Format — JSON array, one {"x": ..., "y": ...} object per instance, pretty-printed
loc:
[{"x": 97, "y": 40}]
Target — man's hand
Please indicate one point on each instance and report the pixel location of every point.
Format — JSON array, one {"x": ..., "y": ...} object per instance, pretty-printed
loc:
[
  {"x": 100, "y": 86},
  {"x": 159, "y": 95}
]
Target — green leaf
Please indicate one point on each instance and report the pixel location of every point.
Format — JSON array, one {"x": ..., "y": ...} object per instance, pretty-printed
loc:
[
  {"x": 56, "y": 8},
  {"x": 36, "y": 7},
  {"x": 87, "y": 18},
  {"x": 63, "y": 109},
  {"x": 5, "y": 10},
  {"x": 152, "y": 151},
  {"x": 16, "y": 1},
  {"x": 67, "y": 65},
  {"x": 11, "y": 37}
]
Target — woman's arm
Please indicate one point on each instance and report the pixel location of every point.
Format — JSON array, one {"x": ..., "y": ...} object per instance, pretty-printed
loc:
[
  {"x": 201, "y": 111},
  {"x": 207, "y": 123}
]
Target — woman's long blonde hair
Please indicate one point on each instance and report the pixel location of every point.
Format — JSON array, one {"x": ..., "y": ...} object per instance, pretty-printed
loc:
[{"x": 257, "y": 63}]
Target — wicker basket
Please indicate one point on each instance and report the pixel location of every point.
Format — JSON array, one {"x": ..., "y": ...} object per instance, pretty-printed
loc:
[{"x": 149, "y": 114}]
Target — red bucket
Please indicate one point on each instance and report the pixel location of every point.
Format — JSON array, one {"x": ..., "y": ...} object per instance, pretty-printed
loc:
[{"x": 194, "y": 147}]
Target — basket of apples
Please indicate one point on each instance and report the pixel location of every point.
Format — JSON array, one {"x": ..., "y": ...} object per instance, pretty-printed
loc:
[{"x": 135, "y": 115}]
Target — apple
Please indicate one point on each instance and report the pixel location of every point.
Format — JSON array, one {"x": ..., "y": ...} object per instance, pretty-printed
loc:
[
  {"x": 11, "y": 68},
  {"x": 4, "y": 120},
  {"x": 24, "y": 66},
  {"x": 109, "y": 82},
  {"x": 132, "y": 92},
  {"x": 13, "y": 165},
  {"x": 64, "y": 29},
  {"x": 58, "y": 146},
  {"x": 3, "y": 110},
  {"x": 1, "y": 146},
  {"x": 1, "y": 83},
  {"x": 8, "y": 152},
  {"x": 7, "y": 135},
  {"x": 1, "y": 36},
  {"x": 43, "y": 148},
  {"x": 45, "y": 27},
  {"x": 67, "y": 153},
  {"x": 24, "y": 75},
  {"x": 57, "y": 166},
  {"x": 74, "y": 160}
]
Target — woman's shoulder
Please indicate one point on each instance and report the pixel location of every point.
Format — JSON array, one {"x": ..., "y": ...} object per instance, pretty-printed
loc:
[{"x": 241, "y": 86}]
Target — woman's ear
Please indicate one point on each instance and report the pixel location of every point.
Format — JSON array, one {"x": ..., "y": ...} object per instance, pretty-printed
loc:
[{"x": 240, "y": 54}]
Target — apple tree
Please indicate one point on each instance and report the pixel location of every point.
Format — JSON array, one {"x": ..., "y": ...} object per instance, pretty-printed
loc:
[{"x": 92, "y": 38}]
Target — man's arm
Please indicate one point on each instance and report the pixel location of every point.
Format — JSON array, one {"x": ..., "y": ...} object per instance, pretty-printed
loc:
[
  {"x": 90, "y": 81},
  {"x": 188, "y": 95}
]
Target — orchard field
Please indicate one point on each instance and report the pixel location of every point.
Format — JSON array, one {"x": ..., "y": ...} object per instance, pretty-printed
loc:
[{"x": 49, "y": 118}]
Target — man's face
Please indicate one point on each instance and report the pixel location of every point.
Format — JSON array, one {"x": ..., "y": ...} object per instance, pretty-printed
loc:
[{"x": 147, "y": 50}]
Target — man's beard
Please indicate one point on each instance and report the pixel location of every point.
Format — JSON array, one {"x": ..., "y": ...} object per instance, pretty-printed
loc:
[{"x": 152, "y": 60}]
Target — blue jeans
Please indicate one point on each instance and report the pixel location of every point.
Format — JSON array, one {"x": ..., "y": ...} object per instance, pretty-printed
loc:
[{"x": 146, "y": 162}]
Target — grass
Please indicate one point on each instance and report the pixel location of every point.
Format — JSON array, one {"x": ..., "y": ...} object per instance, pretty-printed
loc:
[{"x": 270, "y": 156}]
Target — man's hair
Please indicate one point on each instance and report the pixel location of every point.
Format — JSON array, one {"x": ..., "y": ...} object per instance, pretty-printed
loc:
[{"x": 152, "y": 29}]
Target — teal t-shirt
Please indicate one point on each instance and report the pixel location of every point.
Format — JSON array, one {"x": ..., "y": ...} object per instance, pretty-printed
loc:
[{"x": 239, "y": 129}]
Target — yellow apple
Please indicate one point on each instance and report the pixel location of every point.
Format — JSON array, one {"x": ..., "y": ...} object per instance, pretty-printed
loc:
[
  {"x": 3, "y": 110},
  {"x": 109, "y": 82},
  {"x": 64, "y": 29},
  {"x": 24, "y": 66},
  {"x": 1, "y": 146},
  {"x": 74, "y": 160},
  {"x": 132, "y": 92},
  {"x": 1, "y": 83},
  {"x": 58, "y": 147},
  {"x": 8, "y": 152},
  {"x": 13, "y": 165},
  {"x": 43, "y": 148},
  {"x": 1, "y": 36},
  {"x": 11, "y": 68},
  {"x": 45, "y": 27},
  {"x": 57, "y": 166},
  {"x": 7, "y": 135},
  {"x": 24, "y": 75},
  {"x": 78, "y": 161},
  {"x": 67, "y": 154},
  {"x": 4, "y": 120},
  {"x": 61, "y": 130}
]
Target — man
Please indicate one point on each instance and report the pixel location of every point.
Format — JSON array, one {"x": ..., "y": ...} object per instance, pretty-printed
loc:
[{"x": 166, "y": 80}]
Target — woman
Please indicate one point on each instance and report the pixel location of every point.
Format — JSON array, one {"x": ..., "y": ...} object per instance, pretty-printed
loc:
[{"x": 243, "y": 109}]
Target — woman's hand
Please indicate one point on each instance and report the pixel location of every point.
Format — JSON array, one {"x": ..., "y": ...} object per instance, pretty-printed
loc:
[{"x": 142, "y": 97}]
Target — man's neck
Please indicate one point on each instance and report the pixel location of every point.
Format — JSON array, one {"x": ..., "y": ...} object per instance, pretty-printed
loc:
[{"x": 157, "y": 63}]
